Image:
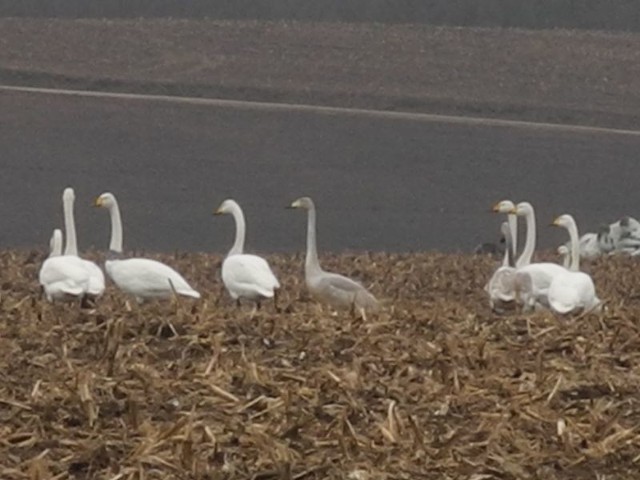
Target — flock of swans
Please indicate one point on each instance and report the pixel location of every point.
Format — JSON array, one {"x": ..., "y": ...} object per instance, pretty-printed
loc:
[
  {"x": 563, "y": 288},
  {"x": 64, "y": 276}
]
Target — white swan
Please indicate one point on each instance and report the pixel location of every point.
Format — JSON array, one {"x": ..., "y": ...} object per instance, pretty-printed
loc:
[
  {"x": 244, "y": 275},
  {"x": 141, "y": 277},
  {"x": 572, "y": 290},
  {"x": 501, "y": 286},
  {"x": 507, "y": 206},
  {"x": 532, "y": 279},
  {"x": 62, "y": 277},
  {"x": 96, "y": 277},
  {"x": 331, "y": 288}
]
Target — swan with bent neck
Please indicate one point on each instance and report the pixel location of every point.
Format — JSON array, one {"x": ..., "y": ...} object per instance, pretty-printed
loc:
[
  {"x": 333, "y": 289},
  {"x": 96, "y": 277},
  {"x": 500, "y": 286},
  {"x": 62, "y": 277},
  {"x": 245, "y": 276},
  {"x": 573, "y": 290},
  {"x": 507, "y": 206},
  {"x": 533, "y": 279},
  {"x": 143, "y": 278}
]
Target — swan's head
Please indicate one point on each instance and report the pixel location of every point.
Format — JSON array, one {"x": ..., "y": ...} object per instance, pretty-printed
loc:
[
  {"x": 565, "y": 221},
  {"x": 228, "y": 206},
  {"x": 106, "y": 200},
  {"x": 68, "y": 195},
  {"x": 302, "y": 202},
  {"x": 505, "y": 206},
  {"x": 522, "y": 209}
]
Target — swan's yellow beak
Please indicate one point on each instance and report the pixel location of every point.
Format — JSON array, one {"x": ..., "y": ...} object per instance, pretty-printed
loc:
[
  {"x": 98, "y": 202},
  {"x": 556, "y": 222},
  {"x": 218, "y": 212},
  {"x": 513, "y": 211},
  {"x": 295, "y": 204},
  {"x": 496, "y": 207}
]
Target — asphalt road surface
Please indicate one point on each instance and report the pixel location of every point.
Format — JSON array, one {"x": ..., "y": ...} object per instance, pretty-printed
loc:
[{"x": 380, "y": 182}]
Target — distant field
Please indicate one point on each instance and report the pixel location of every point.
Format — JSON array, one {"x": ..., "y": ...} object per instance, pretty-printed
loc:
[{"x": 578, "y": 77}]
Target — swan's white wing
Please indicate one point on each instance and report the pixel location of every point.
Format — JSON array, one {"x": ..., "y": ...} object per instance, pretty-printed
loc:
[
  {"x": 248, "y": 276},
  {"x": 63, "y": 274},
  {"x": 572, "y": 291},
  {"x": 540, "y": 276},
  {"x": 146, "y": 278},
  {"x": 501, "y": 285},
  {"x": 590, "y": 246},
  {"x": 96, "y": 278}
]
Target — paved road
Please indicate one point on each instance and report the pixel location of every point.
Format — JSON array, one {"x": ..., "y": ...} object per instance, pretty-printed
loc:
[{"x": 380, "y": 181}]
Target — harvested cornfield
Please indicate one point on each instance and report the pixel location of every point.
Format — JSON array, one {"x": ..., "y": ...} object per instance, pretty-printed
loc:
[{"x": 433, "y": 387}]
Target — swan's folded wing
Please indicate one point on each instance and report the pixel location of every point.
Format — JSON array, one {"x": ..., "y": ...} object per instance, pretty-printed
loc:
[
  {"x": 345, "y": 291},
  {"x": 63, "y": 269},
  {"x": 144, "y": 274},
  {"x": 250, "y": 271}
]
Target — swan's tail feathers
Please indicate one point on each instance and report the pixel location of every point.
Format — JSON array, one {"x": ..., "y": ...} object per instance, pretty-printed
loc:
[
  {"x": 185, "y": 291},
  {"x": 188, "y": 293},
  {"x": 74, "y": 290},
  {"x": 364, "y": 300}
]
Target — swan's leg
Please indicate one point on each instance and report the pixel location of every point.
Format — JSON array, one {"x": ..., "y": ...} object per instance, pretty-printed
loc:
[
  {"x": 254, "y": 310},
  {"x": 275, "y": 300}
]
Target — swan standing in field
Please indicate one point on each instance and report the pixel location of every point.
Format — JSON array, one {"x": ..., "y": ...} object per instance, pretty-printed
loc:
[
  {"x": 333, "y": 289},
  {"x": 143, "y": 278},
  {"x": 244, "y": 275},
  {"x": 62, "y": 277},
  {"x": 96, "y": 277},
  {"x": 572, "y": 290},
  {"x": 501, "y": 285},
  {"x": 532, "y": 279},
  {"x": 507, "y": 206}
]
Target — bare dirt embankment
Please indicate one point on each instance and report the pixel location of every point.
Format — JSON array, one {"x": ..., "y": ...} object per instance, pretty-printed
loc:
[
  {"x": 434, "y": 387},
  {"x": 578, "y": 77}
]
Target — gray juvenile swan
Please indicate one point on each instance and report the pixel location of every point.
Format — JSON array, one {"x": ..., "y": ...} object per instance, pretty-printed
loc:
[{"x": 333, "y": 289}]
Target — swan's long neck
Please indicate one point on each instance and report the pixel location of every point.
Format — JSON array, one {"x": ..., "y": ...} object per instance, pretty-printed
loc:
[
  {"x": 311, "y": 263},
  {"x": 56, "y": 243},
  {"x": 70, "y": 228},
  {"x": 116, "y": 228},
  {"x": 530, "y": 241},
  {"x": 238, "y": 244},
  {"x": 512, "y": 218},
  {"x": 508, "y": 248},
  {"x": 574, "y": 265}
]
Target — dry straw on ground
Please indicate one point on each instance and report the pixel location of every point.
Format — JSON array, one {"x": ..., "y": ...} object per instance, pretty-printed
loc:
[{"x": 435, "y": 387}]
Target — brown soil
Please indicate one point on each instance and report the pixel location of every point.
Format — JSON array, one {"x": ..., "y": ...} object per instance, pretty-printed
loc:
[
  {"x": 434, "y": 387},
  {"x": 559, "y": 76}
]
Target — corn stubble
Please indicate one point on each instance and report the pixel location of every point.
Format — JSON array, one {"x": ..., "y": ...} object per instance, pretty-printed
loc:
[{"x": 435, "y": 386}]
